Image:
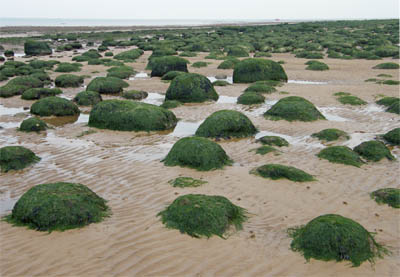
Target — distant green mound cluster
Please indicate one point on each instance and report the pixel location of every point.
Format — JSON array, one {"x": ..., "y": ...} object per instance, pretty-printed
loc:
[
  {"x": 393, "y": 136},
  {"x": 341, "y": 155},
  {"x": 16, "y": 158},
  {"x": 373, "y": 150},
  {"x": 68, "y": 81},
  {"x": 273, "y": 140},
  {"x": 278, "y": 171},
  {"x": 19, "y": 85},
  {"x": 202, "y": 215},
  {"x": 184, "y": 182},
  {"x": 33, "y": 124},
  {"x": 256, "y": 69},
  {"x": 331, "y": 135},
  {"x": 87, "y": 98},
  {"x": 163, "y": 65},
  {"x": 107, "y": 85},
  {"x": 54, "y": 105},
  {"x": 390, "y": 196},
  {"x": 36, "y": 48}
]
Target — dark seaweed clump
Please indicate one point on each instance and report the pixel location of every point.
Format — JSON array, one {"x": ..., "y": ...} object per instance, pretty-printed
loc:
[
  {"x": 184, "y": 182},
  {"x": 16, "y": 158},
  {"x": 278, "y": 171},
  {"x": 87, "y": 98},
  {"x": 341, "y": 155},
  {"x": 33, "y": 124},
  {"x": 54, "y": 105},
  {"x": 256, "y": 69},
  {"x": 331, "y": 134},
  {"x": 388, "y": 65},
  {"x": 393, "y": 136},
  {"x": 107, "y": 85},
  {"x": 373, "y": 150},
  {"x": 273, "y": 140},
  {"x": 390, "y": 196}
]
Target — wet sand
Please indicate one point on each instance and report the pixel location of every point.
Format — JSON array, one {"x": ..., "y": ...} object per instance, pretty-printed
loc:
[{"x": 125, "y": 168}]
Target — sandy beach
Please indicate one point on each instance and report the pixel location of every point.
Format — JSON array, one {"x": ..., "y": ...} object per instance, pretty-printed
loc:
[{"x": 125, "y": 169}]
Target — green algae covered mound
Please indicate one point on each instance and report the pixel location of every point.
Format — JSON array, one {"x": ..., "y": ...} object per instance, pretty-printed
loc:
[
  {"x": 388, "y": 65},
  {"x": 260, "y": 88},
  {"x": 351, "y": 100},
  {"x": 226, "y": 124},
  {"x": 390, "y": 196},
  {"x": 198, "y": 153},
  {"x": 388, "y": 101},
  {"x": 33, "y": 124},
  {"x": 202, "y": 215},
  {"x": 228, "y": 63},
  {"x": 170, "y": 104},
  {"x": 54, "y": 105},
  {"x": 16, "y": 158},
  {"x": 316, "y": 66},
  {"x": 107, "y": 85},
  {"x": 278, "y": 171},
  {"x": 134, "y": 94},
  {"x": 129, "y": 56},
  {"x": 191, "y": 87},
  {"x": 124, "y": 115},
  {"x": 36, "y": 48},
  {"x": 294, "y": 108},
  {"x": 38, "y": 93},
  {"x": 394, "y": 108},
  {"x": 273, "y": 140},
  {"x": 373, "y": 150},
  {"x": 87, "y": 98},
  {"x": 341, "y": 155},
  {"x": 68, "y": 81},
  {"x": 184, "y": 182},
  {"x": 162, "y": 65},
  {"x": 58, "y": 206},
  {"x": 393, "y": 136},
  {"x": 121, "y": 72},
  {"x": 250, "y": 98},
  {"x": 333, "y": 237},
  {"x": 68, "y": 67},
  {"x": 331, "y": 134},
  {"x": 170, "y": 75},
  {"x": 19, "y": 84},
  {"x": 256, "y": 69}
]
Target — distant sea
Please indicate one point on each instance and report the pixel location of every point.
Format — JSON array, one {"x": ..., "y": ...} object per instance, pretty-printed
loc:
[{"x": 117, "y": 22}]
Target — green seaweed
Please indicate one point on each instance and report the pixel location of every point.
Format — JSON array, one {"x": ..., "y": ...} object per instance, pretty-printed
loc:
[
  {"x": 390, "y": 196},
  {"x": 16, "y": 158},
  {"x": 373, "y": 150},
  {"x": 331, "y": 134},
  {"x": 341, "y": 155},
  {"x": 278, "y": 171},
  {"x": 184, "y": 182}
]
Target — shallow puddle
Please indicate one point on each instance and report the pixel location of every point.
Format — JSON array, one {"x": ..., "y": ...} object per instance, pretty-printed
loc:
[
  {"x": 228, "y": 79},
  {"x": 51, "y": 138},
  {"x": 185, "y": 129},
  {"x": 306, "y": 82},
  {"x": 7, "y": 203},
  {"x": 306, "y": 141},
  {"x": 329, "y": 113},
  {"x": 226, "y": 99},
  {"x": 11, "y": 111},
  {"x": 257, "y": 110},
  {"x": 140, "y": 75},
  {"x": 154, "y": 98}
]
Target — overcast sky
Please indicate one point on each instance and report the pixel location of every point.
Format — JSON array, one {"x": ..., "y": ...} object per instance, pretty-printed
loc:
[{"x": 201, "y": 9}]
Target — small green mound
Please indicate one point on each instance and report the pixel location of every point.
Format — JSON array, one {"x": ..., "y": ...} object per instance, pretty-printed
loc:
[
  {"x": 163, "y": 65},
  {"x": 331, "y": 135},
  {"x": 341, "y": 93},
  {"x": 107, "y": 85},
  {"x": 228, "y": 64},
  {"x": 335, "y": 238},
  {"x": 265, "y": 149},
  {"x": 121, "y": 72},
  {"x": 341, "y": 155},
  {"x": 128, "y": 56},
  {"x": 394, "y": 108},
  {"x": 54, "y": 105},
  {"x": 38, "y": 93},
  {"x": 16, "y": 158},
  {"x": 236, "y": 51},
  {"x": 351, "y": 100},
  {"x": 262, "y": 54},
  {"x": 293, "y": 108},
  {"x": 108, "y": 54},
  {"x": 390, "y": 196},
  {"x": 273, "y": 140},
  {"x": 256, "y": 69},
  {"x": 278, "y": 171},
  {"x": 393, "y": 136},
  {"x": 170, "y": 75},
  {"x": 316, "y": 66},
  {"x": 134, "y": 94},
  {"x": 198, "y": 153},
  {"x": 260, "y": 88},
  {"x": 68, "y": 67},
  {"x": 221, "y": 83},
  {"x": 389, "y": 82},
  {"x": 199, "y": 64},
  {"x": 373, "y": 150},
  {"x": 191, "y": 87},
  {"x": 388, "y": 101},
  {"x": 58, "y": 206},
  {"x": 36, "y": 48},
  {"x": 184, "y": 182},
  {"x": 188, "y": 54},
  {"x": 383, "y": 75},
  {"x": 68, "y": 81},
  {"x": 126, "y": 115},
  {"x": 87, "y": 98},
  {"x": 388, "y": 65},
  {"x": 170, "y": 104},
  {"x": 226, "y": 124},
  {"x": 33, "y": 124},
  {"x": 250, "y": 98},
  {"x": 202, "y": 215}
]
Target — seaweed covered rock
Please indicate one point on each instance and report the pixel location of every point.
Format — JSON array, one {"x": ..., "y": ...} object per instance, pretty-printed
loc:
[
  {"x": 228, "y": 63},
  {"x": 19, "y": 84},
  {"x": 122, "y": 72},
  {"x": 33, "y": 124},
  {"x": 394, "y": 108},
  {"x": 390, "y": 196},
  {"x": 260, "y": 88},
  {"x": 278, "y": 171},
  {"x": 273, "y": 140},
  {"x": 58, "y": 206},
  {"x": 68, "y": 67},
  {"x": 250, "y": 98},
  {"x": 294, "y": 108},
  {"x": 129, "y": 56},
  {"x": 163, "y": 65},
  {"x": 393, "y": 136},
  {"x": 202, "y": 215},
  {"x": 331, "y": 135},
  {"x": 134, "y": 94},
  {"x": 38, "y": 93},
  {"x": 68, "y": 81},
  {"x": 54, "y": 105},
  {"x": 316, "y": 66},
  {"x": 265, "y": 149},
  {"x": 87, "y": 98},
  {"x": 36, "y": 48},
  {"x": 252, "y": 70},
  {"x": 16, "y": 157},
  {"x": 373, "y": 150},
  {"x": 191, "y": 87},
  {"x": 236, "y": 51},
  {"x": 126, "y": 115},
  {"x": 351, "y": 100},
  {"x": 170, "y": 75},
  {"x": 333, "y": 237},
  {"x": 184, "y": 182},
  {"x": 107, "y": 85},
  {"x": 198, "y": 153},
  {"x": 226, "y": 124},
  {"x": 341, "y": 155},
  {"x": 388, "y": 65}
]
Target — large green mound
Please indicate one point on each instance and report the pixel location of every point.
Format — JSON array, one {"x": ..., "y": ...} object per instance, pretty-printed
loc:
[
  {"x": 226, "y": 124},
  {"x": 19, "y": 84},
  {"x": 163, "y": 65},
  {"x": 273, "y": 140},
  {"x": 68, "y": 81},
  {"x": 373, "y": 150},
  {"x": 127, "y": 115},
  {"x": 191, "y": 87},
  {"x": 388, "y": 65},
  {"x": 250, "y": 98},
  {"x": 202, "y": 215},
  {"x": 16, "y": 157},
  {"x": 87, "y": 98},
  {"x": 198, "y": 153},
  {"x": 390, "y": 196},
  {"x": 335, "y": 238},
  {"x": 252, "y": 70},
  {"x": 294, "y": 108},
  {"x": 331, "y": 134},
  {"x": 33, "y": 124},
  {"x": 393, "y": 136},
  {"x": 341, "y": 155},
  {"x": 107, "y": 85},
  {"x": 36, "y": 48},
  {"x": 58, "y": 206},
  {"x": 278, "y": 171},
  {"x": 54, "y": 105},
  {"x": 38, "y": 93}
]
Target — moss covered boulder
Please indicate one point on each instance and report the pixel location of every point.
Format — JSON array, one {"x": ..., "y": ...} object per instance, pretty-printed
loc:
[
  {"x": 33, "y": 124},
  {"x": 68, "y": 67},
  {"x": 278, "y": 171},
  {"x": 19, "y": 84},
  {"x": 163, "y": 65},
  {"x": 16, "y": 158},
  {"x": 390, "y": 196},
  {"x": 38, "y": 93},
  {"x": 54, "y": 105},
  {"x": 250, "y": 98},
  {"x": 228, "y": 64},
  {"x": 316, "y": 66},
  {"x": 294, "y": 108},
  {"x": 58, "y": 206},
  {"x": 87, "y": 98},
  {"x": 198, "y": 153},
  {"x": 341, "y": 155},
  {"x": 273, "y": 140},
  {"x": 252, "y": 70},
  {"x": 226, "y": 124},
  {"x": 134, "y": 94},
  {"x": 388, "y": 101},
  {"x": 260, "y": 88},
  {"x": 121, "y": 72},
  {"x": 388, "y": 65},
  {"x": 68, "y": 81},
  {"x": 393, "y": 136},
  {"x": 170, "y": 75},
  {"x": 202, "y": 215},
  {"x": 107, "y": 85},
  {"x": 37, "y": 48},
  {"x": 373, "y": 150},
  {"x": 331, "y": 135},
  {"x": 333, "y": 237},
  {"x": 191, "y": 87},
  {"x": 126, "y": 115}
]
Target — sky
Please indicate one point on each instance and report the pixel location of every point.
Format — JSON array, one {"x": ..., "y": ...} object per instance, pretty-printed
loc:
[{"x": 201, "y": 9}]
